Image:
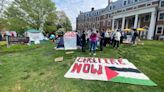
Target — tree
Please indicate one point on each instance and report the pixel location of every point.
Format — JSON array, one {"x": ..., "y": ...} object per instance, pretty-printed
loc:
[
  {"x": 24, "y": 14},
  {"x": 63, "y": 21}
]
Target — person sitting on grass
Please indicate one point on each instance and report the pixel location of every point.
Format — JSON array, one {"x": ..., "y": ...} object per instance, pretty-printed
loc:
[{"x": 93, "y": 40}]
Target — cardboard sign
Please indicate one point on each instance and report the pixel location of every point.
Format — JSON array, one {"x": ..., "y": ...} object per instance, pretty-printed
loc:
[{"x": 105, "y": 69}]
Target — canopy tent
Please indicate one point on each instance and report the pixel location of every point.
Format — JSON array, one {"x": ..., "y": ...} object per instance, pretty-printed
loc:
[
  {"x": 140, "y": 29},
  {"x": 127, "y": 30},
  {"x": 34, "y": 35}
]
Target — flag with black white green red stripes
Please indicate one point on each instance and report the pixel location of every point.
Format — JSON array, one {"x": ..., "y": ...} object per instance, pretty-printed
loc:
[{"x": 107, "y": 69}]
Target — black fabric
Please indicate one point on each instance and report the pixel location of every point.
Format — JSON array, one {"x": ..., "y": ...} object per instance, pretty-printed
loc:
[
  {"x": 125, "y": 69},
  {"x": 135, "y": 34},
  {"x": 116, "y": 44},
  {"x": 0, "y": 37},
  {"x": 83, "y": 38}
]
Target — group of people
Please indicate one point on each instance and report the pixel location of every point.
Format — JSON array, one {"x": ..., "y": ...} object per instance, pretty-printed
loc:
[{"x": 94, "y": 38}]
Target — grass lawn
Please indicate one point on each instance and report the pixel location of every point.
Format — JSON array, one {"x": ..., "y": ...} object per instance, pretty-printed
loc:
[{"x": 34, "y": 70}]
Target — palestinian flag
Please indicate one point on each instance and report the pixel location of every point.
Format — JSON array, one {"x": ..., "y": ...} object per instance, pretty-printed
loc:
[
  {"x": 104, "y": 69},
  {"x": 128, "y": 75}
]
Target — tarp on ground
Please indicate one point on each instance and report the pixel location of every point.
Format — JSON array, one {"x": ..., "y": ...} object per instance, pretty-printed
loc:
[{"x": 105, "y": 69}]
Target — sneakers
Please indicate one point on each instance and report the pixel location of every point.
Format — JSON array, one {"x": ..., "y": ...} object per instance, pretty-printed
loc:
[{"x": 94, "y": 54}]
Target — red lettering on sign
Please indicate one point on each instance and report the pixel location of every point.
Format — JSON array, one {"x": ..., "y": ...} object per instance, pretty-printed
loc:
[
  {"x": 94, "y": 71},
  {"x": 80, "y": 60},
  {"x": 120, "y": 61},
  {"x": 86, "y": 68},
  {"x": 99, "y": 59},
  {"x": 77, "y": 68},
  {"x": 106, "y": 60},
  {"x": 113, "y": 61}
]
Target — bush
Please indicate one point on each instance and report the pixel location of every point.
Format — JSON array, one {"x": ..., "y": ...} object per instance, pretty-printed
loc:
[{"x": 3, "y": 43}]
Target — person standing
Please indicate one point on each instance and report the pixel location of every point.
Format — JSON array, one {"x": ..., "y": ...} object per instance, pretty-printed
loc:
[
  {"x": 93, "y": 40},
  {"x": 117, "y": 39},
  {"x": 83, "y": 39},
  {"x": 134, "y": 36},
  {"x": 102, "y": 37},
  {"x": 122, "y": 37},
  {"x": 0, "y": 36},
  {"x": 107, "y": 38}
]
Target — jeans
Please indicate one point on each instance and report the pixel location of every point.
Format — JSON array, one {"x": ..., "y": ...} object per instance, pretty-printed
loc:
[{"x": 93, "y": 47}]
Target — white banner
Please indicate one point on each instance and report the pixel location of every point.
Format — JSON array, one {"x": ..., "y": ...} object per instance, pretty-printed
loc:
[
  {"x": 107, "y": 69},
  {"x": 70, "y": 41}
]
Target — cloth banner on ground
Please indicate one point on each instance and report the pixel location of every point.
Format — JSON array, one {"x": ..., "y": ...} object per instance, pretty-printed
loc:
[
  {"x": 70, "y": 41},
  {"x": 104, "y": 69}
]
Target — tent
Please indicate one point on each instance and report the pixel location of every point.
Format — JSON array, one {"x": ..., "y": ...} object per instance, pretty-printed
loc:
[
  {"x": 60, "y": 43},
  {"x": 140, "y": 29},
  {"x": 127, "y": 30},
  {"x": 34, "y": 36},
  {"x": 70, "y": 41}
]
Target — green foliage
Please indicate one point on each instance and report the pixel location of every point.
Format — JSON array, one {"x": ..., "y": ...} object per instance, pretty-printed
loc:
[
  {"x": 25, "y": 14},
  {"x": 67, "y": 25},
  {"x": 64, "y": 21},
  {"x": 2, "y": 43}
]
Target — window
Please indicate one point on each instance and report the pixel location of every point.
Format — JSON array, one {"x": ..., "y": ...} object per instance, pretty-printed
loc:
[
  {"x": 162, "y": 3},
  {"x": 136, "y": 0},
  {"x": 147, "y": 18},
  {"x": 159, "y": 29},
  {"x": 110, "y": 7},
  {"x": 125, "y": 2},
  {"x": 161, "y": 16}
]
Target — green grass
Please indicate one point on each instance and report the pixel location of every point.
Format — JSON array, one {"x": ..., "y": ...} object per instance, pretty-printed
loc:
[{"x": 35, "y": 70}]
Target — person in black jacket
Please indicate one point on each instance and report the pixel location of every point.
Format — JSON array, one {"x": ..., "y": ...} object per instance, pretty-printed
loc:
[
  {"x": 83, "y": 40},
  {"x": 102, "y": 38},
  {"x": 0, "y": 36},
  {"x": 135, "y": 35}
]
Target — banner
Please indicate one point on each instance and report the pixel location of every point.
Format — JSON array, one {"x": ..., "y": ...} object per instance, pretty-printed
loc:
[
  {"x": 104, "y": 69},
  {"x": 70, "y": 41}
]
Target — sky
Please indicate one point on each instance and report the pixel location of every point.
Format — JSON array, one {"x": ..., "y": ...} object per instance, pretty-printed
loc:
[{"x": 73, "y": 7}]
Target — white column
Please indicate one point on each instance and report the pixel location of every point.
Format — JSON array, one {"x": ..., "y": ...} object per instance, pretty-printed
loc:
[
  {"x": 139, "y": 22},
  {"x": 136, "y": 21},
  {"x": 117, "y": 24},
  {"x": 152, "y": 26},
  {"x": 127, "y": 23},
  {"x": 113, "y": 24},
  {"x": 123, "y": 23}
]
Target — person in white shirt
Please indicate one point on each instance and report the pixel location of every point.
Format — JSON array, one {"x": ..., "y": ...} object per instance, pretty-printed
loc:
[
  {"x": 117, "y": 37},
  {"x": 107, "y": 38}
]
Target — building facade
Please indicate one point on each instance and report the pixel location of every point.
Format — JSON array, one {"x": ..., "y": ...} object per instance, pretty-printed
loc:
[{"x": 126, "y": 14}]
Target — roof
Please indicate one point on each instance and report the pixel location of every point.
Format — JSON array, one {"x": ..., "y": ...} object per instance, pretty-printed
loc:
[{"x": 33, "y": 31}]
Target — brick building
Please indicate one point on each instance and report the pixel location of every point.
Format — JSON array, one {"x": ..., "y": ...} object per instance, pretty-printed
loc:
[{"x": 122, "y": 14}]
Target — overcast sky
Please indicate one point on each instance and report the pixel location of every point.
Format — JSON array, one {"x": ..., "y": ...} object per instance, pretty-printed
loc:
[{"x": 73, "y": 7}]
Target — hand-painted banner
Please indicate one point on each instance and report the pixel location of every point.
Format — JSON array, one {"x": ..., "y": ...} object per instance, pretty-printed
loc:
[
  {"x": 105, "y": 69},
  {"x": 70, "y": 41}
]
